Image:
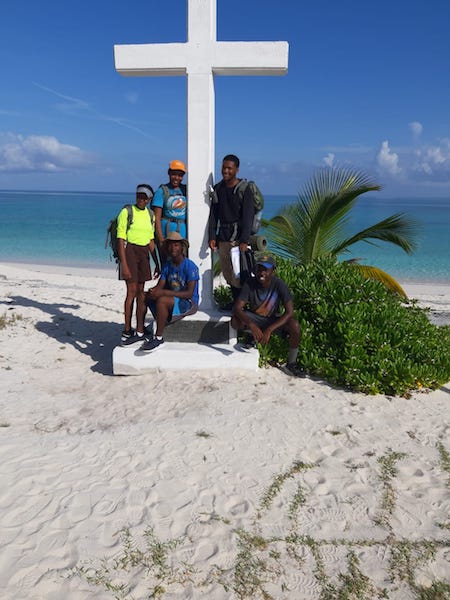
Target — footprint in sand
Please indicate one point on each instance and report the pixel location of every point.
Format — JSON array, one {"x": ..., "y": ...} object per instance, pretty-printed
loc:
[
  {"x": 23, "y": 515},
  {"x": 79, "y": 508},
  {"x": 236, "y": 506}
]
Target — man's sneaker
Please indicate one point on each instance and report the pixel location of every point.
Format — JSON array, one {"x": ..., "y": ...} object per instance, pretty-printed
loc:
[
  {"x": 126, "y": 335},
  {"x": 134, "y": 339},
  {"x": 151, "y": 345},
  {"x": 248, "y": 341},
  {"x": 294, "y": 369}
]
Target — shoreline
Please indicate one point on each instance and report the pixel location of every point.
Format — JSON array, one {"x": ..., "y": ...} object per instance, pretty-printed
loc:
[
  {"x": 93, "y": 270},
  {"x": 434, "y": 296}
]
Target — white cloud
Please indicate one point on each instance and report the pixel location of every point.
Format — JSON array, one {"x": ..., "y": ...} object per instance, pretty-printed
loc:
[
  {"x": 39, "y": 154},
  {"x": 329, "y": 159},
  {"x": 416, "y": 128},
  {"x": 433, "y": 160},
  {"x": 388, "y": 160}
]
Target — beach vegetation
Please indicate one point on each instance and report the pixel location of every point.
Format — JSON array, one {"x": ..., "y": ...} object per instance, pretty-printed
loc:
[
  {"x": 203, "y": 434},
  {"x": 7, "y": 320},
  {"x": 445, "y": 458},
  {"x": 316, "y": 225},
  {"x": 222, "y": 295},
  {"x": 164, "y": 570},
  {"x": 388, "y": 472},
  {"x": 147, "y": 567},
  {"x": 359, "y": 335}
]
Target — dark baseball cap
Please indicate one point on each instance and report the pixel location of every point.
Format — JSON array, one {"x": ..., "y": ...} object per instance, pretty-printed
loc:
[{"x": 266, "y": 261}]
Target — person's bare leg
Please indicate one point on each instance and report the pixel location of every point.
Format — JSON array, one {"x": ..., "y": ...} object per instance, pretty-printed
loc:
[
  {"x": 293, "y": 328},
  {"x": 141, "y": 308},
  {"x": 163, "y": 306},
  {"x": 129, "y": 303}
]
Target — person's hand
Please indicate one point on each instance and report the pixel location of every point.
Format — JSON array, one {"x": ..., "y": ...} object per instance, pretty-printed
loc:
[
  {"x": 126, "y": 273},
  {"x": 256, "y": 332},
  {"x": 154, "y": 293},
  {"x": 266, "y": 334},
  {"x": 213, "y": 245}
]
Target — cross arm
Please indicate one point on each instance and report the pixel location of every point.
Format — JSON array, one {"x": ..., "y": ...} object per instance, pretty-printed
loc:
[
  {"x": 250, "y": 58},
  {"x": 150, "y": 59}
]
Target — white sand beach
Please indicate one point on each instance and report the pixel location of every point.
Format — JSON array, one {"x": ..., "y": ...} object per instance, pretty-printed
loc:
[{"x": 314, "y": 471}]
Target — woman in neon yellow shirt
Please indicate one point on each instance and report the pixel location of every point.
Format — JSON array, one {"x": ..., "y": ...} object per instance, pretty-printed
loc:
[{"x": 136, "y": 242}]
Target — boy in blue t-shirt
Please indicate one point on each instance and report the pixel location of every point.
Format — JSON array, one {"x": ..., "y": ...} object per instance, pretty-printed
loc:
[{"x": 176, "y": 294}]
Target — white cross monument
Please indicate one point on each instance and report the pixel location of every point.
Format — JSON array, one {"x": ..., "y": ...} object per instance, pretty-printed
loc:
[{"x": 200, "y": 58}]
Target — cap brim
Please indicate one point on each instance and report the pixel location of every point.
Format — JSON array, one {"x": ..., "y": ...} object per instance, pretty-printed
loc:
[{"x": 266, "y": 264}]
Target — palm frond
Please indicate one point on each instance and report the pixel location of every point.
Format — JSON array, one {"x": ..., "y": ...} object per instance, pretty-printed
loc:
[
  {"x": 398, "y": 229},
  {"x": 387, "y": 280}
]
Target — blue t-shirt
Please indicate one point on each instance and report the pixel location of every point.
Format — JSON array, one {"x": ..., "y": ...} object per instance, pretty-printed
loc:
[
  {"x": 177, "y": 277},
  {"x": 174, "y": 207}
]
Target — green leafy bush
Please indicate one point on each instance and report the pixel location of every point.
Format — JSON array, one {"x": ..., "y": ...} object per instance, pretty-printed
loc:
[
  {"x": 357, "y": 334},
  {"x": 222, "y": 295}
]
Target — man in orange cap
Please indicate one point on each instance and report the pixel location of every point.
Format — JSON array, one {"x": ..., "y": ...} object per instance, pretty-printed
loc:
[{"x": 170, "y": 204}]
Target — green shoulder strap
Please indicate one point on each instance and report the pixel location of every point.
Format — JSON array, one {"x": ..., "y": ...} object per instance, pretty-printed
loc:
[
  {"x": 166, "y": 192},
  {"x": 240, "y": 188},
  {"x": 129, "y": 207}
]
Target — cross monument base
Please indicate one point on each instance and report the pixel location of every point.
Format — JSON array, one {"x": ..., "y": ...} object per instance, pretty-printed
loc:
[{"x": 197, "y": 342}]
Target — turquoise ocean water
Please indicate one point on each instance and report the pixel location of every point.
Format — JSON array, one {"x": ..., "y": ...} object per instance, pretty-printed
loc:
[{"x": 69, "y": 229}]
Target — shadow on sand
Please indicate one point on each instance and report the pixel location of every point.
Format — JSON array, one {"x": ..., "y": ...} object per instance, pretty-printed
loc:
[{"x": 96, "y": 339}]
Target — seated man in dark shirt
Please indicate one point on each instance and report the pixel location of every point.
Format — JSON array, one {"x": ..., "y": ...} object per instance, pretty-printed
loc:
[{"x": 264, "y": 294}]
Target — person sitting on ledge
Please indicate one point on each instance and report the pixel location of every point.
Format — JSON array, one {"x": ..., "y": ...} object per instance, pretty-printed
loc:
[
  {"x": 264, "y": 294},
  {"x": 176, "y": 294}
]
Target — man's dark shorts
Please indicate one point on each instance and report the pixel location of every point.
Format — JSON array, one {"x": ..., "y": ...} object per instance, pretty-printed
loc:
[
  {"x": 262, "y": 322},
  {"x": 138, "y": 260}
]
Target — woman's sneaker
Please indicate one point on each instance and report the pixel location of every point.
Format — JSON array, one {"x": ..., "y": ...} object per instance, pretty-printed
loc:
[
  {"x": 126, "y": 335},
  {"x": 151, "y": 345},
  {"x": 134, "y": 339}
]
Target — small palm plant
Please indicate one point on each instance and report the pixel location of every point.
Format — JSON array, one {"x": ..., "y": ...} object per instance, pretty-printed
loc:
[{"x": 315, "y": 225}]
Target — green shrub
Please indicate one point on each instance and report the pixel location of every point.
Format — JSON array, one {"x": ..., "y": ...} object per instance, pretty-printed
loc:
[
  {"x": 357, "y": 334},
  {"x": 222, "y": 295}
]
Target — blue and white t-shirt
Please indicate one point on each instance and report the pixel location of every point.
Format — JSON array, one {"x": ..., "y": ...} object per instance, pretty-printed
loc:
[
  {"x": 178, "y": 276},
  {"x": 174, "y": 206}
]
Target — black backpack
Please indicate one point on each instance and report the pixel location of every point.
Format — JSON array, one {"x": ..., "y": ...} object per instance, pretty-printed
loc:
[
  {"x": 239, "y": 190},
  {"x": 111, "y": 231}
]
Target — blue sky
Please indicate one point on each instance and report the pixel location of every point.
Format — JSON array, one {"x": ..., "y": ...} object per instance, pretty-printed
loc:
[{"x": 368, "y": 86}]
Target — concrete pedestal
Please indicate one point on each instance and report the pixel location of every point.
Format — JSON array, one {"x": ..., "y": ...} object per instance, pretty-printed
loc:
[{"x": 200, "y": 341}]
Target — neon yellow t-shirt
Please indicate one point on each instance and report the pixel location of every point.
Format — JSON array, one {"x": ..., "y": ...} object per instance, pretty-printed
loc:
[{"x": 141, "y": 229}]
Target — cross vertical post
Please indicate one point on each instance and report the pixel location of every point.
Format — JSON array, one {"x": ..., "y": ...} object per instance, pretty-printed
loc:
[{"x": 199, "y": 59}]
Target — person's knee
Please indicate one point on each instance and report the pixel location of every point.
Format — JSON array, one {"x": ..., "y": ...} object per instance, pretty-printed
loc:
[
  {"x": 131, "y": 290},
  {"x": 293, "y": 328},
  {"x": 164, "y": 303}
]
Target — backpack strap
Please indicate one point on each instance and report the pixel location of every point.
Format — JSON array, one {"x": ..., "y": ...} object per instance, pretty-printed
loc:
[
  {"x": 240, "y": 188},
  {"x": 130, "y": 215},
  {"x": 166, "y": 190}
]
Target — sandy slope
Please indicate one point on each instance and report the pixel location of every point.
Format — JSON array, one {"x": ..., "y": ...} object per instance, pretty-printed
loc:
[{"x": 83, "y": 454}]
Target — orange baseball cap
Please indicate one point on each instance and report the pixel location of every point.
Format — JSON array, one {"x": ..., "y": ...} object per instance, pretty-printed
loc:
[{"x": 177, "y": 165}]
